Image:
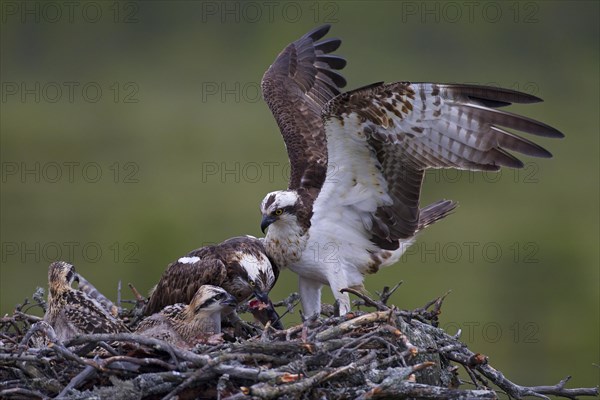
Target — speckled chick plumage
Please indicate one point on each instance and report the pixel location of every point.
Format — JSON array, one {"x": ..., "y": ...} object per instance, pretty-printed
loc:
[
  {"x": 72, "y": 312},
  {"x": 185, "y": 325}
]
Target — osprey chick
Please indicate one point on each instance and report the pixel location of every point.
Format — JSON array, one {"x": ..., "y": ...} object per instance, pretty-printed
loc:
[
  {"x": 72, "y": 312},
  {"x": 184, "y": 325}
]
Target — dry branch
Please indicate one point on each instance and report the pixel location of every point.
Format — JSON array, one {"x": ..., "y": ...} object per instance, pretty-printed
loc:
[{"x": 387, "y": 353}]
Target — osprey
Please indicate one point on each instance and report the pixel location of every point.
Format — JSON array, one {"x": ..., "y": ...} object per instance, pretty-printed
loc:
[
  {"x": 72, "y": 312},
  {"x": 183, "y": 325},
  {"x": 358, "y": 161},
  {"x": 239, "y": 265}
]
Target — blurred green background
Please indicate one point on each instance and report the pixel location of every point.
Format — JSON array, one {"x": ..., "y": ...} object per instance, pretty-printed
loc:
[{"x": 133, "y": 133}]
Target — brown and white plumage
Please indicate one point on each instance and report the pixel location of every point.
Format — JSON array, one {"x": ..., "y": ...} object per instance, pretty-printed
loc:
[
  {"x": 70, "y": 311},
  {"x": 377, "y": 142},
  {"x": 239, "y": 265},
  {"x": 185, "y": 324},
  {"x": 296, "y": 87},
  {"x": 402, "y": 129}
]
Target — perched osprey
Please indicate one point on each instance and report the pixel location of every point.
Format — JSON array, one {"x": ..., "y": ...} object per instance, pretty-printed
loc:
[
  {"x": 72, "y": 312},
  {"x": 184, "y": 325},
  {"x": 358, "y": 161},
  {"x": 239, "y": 265}
]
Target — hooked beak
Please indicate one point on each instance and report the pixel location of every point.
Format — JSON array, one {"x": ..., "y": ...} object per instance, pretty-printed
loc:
[
  {"x": 267, "y": 313},
  {"x": 230, "y": 301},
  {"x": 262, "y": 296},
  {"x": 266, "y": 221}
]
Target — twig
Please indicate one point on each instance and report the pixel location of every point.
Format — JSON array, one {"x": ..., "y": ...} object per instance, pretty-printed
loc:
[
  {"x": 136, "y": 294},
  {"x": 368, "y": 301},
  {"x": 119, "y": 285},
  {"x": 174, "y": 352},
  {"x": 344, "y": 327},
  {"x": 479, "y": 362},
  {"x": 78, "y": 380},
  {"x": 385, "y": 295},
  {"x": 424, "y": 313},
  {"x": 519, "y": 392},
  {"x": 405, "y": 389},
  {"x": 202, "y": 374},
  {"x": 385, "y": 353},
  {"x": 137, "y": 361},
  {"x": 266, "y": 391},
  {"x": 21, "y": 392},
  {"x": 27, "y": 317}
]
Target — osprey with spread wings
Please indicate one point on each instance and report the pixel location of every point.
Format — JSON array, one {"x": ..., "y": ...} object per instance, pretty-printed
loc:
[{"x": 358, "y": 161}]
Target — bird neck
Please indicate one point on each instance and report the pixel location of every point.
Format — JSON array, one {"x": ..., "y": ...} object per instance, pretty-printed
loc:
[
  {"x": 208, "y": 323},
  {"x": 216, "y": 322},
  {"x": 56, "y": 291},
  {"x": 285, "y": 242}
]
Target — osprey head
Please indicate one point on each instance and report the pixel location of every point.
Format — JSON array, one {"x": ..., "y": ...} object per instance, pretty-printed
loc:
[
  {"x": 255, "y": 278},
  {"x": 255, "y": 275},
  {"x": 211, "y": 299},
  {"x": 279, "y": 206},
  {"x": 61, "y": 276}
]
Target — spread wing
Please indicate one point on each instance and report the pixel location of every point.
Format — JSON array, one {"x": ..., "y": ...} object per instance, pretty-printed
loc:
[
  {"x": 182, "y": 279},
  {"x": 383, "y": 137},
  {"x": 296, "y": 87}
]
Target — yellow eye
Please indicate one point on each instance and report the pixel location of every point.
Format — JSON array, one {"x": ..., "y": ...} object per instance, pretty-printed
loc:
[
  {"x": 252, "y": 284},
  {"x": 279, "y": 211}
]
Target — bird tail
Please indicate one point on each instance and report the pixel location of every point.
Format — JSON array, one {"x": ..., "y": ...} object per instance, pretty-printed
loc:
[{"x": 434, "y": 212}]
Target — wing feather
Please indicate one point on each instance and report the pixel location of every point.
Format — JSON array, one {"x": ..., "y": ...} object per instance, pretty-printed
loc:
[
  {"x": 402, "y": 129},
  {"x": 209, "y": 265},
  {"x": 181, "y": 280},
  {"x": 301, "y": 80}
]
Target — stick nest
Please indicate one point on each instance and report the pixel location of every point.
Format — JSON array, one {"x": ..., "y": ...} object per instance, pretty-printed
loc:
[{"x": 385, "y": 353}]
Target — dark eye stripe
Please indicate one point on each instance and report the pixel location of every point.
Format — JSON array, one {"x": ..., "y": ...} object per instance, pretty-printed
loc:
[
  {"x": 205, "y": 304},
  {"x": 69, "y": 275}
]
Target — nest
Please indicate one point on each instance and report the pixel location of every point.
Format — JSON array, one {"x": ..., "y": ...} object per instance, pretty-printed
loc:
[{"x": 380, "y": 353}]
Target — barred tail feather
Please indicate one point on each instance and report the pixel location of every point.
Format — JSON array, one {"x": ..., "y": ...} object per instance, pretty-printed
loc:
[
  {"x": 86, "y": 287},
  {"x": 434, "y": 212}
]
